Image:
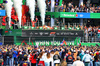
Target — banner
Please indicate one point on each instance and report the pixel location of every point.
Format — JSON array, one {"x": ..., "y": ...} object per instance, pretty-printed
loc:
[
  {"x": 47, "y": 41},
  {"x": 68, "y": 14},
  {"x": 90, "y": 44},
  {"x": 52, "y": 33},
  {"x": 83, "y": 15},
  {"x": 2, "y": 13},
  {"x": 94, "y": 15}
]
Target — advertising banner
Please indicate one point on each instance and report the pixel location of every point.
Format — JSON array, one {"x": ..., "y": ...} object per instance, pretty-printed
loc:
[
  {"x": 83, "y": 15},
  {"x": 46, "y": 41},
  {"x": 52, "y": 33},
  {"x": 68, "y": 14},
  {"x": 94, "y": 15},
  {"x": 2, "y": 13}
]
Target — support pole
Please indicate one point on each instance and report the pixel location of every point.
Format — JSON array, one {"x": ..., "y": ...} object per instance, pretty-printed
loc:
[
  {"x": 52, "y": 10},
  {"x": 53, "y": 40},
  {"x": 81, "y": 3},
  {"x": 64, "y": 22},
  {"x": 29, "y": 40},
  {"x": 81, "y": 22}
]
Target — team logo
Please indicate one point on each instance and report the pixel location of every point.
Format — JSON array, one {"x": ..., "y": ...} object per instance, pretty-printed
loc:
[
  {"x": 70, "y": 58},
  {"x": 52, "y": 33},
  {"x": 25, "y": 64}
]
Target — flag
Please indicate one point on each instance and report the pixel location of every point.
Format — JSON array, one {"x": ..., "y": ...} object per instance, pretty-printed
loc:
[
  {"x": 80, "y": 44},
  {"x": 60, "y": 3},
  {"x": 63, "y": 42},
  {"x": 98, "y": 31}
]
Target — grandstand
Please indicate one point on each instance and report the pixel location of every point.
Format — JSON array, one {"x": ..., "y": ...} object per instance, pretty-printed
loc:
[{"x": 75, "y": 21}]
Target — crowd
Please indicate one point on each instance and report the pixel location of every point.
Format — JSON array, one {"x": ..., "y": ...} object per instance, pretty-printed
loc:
[
  {"x": 92, "y": 32},
  {"x": 70, "y": 7},
  {"x": 27, "y": 55}
]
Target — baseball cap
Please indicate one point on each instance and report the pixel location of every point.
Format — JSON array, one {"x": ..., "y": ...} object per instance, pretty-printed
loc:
[{"x": 87, "y": 51}]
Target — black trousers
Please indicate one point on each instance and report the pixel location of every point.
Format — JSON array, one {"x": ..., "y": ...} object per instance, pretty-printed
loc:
[{"x": 33, "y": 64}]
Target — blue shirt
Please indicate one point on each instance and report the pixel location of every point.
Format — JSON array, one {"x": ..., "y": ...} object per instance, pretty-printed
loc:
[
  {"x": 15, "y": 54},
  {"x": 81, "y": 55}
]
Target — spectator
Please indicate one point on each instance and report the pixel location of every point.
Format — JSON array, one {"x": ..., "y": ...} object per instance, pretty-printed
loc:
[
  {"x": 25, "y": 63},
  {"x": 81, "y": 55},
  {"x": 11, "y": 59},
  {"x": 48, "y": 59},
  {"x": 87, "y": 58},
  {"x": 69, "y": 59},
  {"x": 97, "y": 59},
  {"x": 5, "y": 57},
  {"x": 20, "y": 58},
  {"x": 78, "y": 62},
  {"x": 57, "y": 59},
  {"x": 15, "y": 53},
  {"x": 33, "y": 58},
  {"x": 1, "y": 6},
  {"x": 61, "y": 9},
  {"x": 42, "y": 58}
]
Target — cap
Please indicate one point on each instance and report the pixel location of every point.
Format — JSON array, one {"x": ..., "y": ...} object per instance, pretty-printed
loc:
[
  {"x": 20, "y": 53},
  {"x": 87, "y": 51},
  {"x": 25, "y": 55},
  {"x": 82, "y": 51},
  {"x": 74, "y": 51},
  {"x": 91, "y": 53},
  {"x": 97, "y": 53},
  {"x": 69, "y": 53}
]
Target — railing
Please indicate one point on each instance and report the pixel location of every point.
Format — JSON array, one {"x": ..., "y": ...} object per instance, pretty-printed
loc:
[
  {"x": 69, "y": 26},
  {"x": 90, "y": 39}
]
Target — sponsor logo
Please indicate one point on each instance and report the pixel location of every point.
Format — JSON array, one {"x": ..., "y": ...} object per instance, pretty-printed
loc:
[
  {"x": 76, "y": 15},
  {"x": 81, "y": 15},
  {"x": 53, "y": 33},
  {"x": 41, "y": 33},
  {"x": 31, "y": 33},
  {"x": 71, "y": 15},
  {"x": 6, "y": 31}
]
